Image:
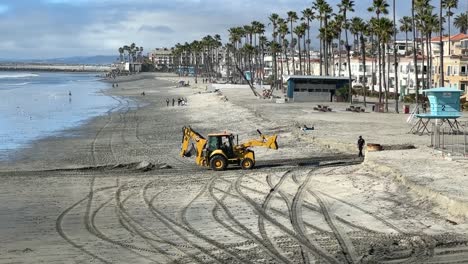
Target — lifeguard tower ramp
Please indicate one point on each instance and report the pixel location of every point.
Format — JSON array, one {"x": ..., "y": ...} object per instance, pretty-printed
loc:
[{"x": 444, "y": 107}]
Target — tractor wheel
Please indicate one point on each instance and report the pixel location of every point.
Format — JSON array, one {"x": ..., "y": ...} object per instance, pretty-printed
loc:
[
  {"x": 247, "y": 164},
  {"x": 218, "y": 163}
]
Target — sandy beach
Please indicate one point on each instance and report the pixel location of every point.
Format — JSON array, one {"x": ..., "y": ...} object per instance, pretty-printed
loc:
[{"x": 80, "y": 196}]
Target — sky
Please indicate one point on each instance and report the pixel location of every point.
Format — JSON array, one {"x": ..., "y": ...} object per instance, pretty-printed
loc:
[{"x": 37, "y": 29}]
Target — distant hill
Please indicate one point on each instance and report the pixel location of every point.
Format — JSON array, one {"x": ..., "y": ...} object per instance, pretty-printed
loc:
[{"x": 93, "y": 60}]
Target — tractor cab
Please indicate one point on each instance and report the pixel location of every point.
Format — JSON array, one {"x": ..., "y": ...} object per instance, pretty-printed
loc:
[{"x": 223, "y": 142}]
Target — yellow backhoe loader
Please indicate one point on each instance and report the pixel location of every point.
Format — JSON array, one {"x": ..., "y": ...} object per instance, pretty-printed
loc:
[{"x": 219, "y": 150}]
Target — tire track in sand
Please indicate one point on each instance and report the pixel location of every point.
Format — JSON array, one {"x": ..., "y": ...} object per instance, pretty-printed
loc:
[
  {"x": 173, "y": 225},
  {"x": 183, "y": 216},
  {"x": 59, "y": 227},
  {"x": 281, "y": 227},
  {"x": 271, "y": 251},
  {"x": 136, "y": 225}
]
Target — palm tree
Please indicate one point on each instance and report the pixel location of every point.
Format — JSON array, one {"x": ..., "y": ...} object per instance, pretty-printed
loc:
[
  {"x": 384, "y": 29},
  {"x": 308, "y": 15},
  {"x": 329, "y": 34},
  {"x": 262, "y": 45},
  {"x": 196, "y": 48},
  {"x": 121, "y": 52},
  {"x": 141, "y": 54},
  {"x": 406, "y": 27},
  {"x": 379, "y": 7},
  {"x": 362, "y": 28},
  {"x": 345, "y": 6},
  {"x": 339, "y": 23},
  {"x": 292, "y": 17},
  {"x": 258, "y": 29},
  {"x": 354, "y": 28},
  {"x": 218, "y": 45},
  {"x": 126, "y": 48},
  {"x": 449, "y": 4},
  {"x": 274, "y": 48},
  {"x": 235, "y": 37},
  {"x": 324, "y": 10},
  {"x": 283, "y": 31},
  {"x": 132, "y": 49},
  {"x": 461, "y": 22},
  {"x": 300, "y": 32}
]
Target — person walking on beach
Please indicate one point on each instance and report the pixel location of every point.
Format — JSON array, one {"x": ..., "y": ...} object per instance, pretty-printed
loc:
[
  {"x": 360, "y": 144},
  {"x": 173, "y": 101},
  {"x": 167, "y": 102}
]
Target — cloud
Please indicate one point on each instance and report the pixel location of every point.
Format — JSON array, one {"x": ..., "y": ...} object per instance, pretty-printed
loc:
[
  {"x": 158, "y": 29},
  {"x": 60, "y": 28}
]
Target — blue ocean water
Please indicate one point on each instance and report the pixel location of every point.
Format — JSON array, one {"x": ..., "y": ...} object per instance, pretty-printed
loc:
[{"x": 36, "y": 105}]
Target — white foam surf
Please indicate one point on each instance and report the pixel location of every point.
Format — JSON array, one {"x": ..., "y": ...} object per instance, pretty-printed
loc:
[{"x": 17, "y": 75}]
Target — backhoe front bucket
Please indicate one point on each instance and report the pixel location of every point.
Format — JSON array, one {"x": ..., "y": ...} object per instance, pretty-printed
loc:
[{"x": 271, "y": 142}]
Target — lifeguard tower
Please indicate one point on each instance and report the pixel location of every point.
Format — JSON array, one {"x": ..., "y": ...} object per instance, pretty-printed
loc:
[{"x": 444, "y": 106}]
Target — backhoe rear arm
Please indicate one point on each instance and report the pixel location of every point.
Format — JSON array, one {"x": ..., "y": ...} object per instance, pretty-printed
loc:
[{"x": 200, "y": 142}]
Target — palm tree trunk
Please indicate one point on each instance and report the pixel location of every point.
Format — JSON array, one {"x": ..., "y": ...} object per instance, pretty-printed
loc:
[
  {"x": 340, "y": 48},
  {"x": 348, "y": 55},
  {"x": 442, "y": 81},
  {"x": 384, "y": 80},
  {"x": 321, "y": 52},
  {"x": 331, "y": 57},
  {"x": 380, "y": 72},
  {"x": 304, "y": 49},
  {"x": 428, "y": 60},
  {"x": 308, "y": 47},
  {"x": 363, "y": 51},
  {"x": 449, "y": 33},
  {"x": 406, "y": 43},
  {"x": 423, "y": 74},
  {"x": 292, "y": 50},
  {"x": 282, "y": 67},
  {"x": 300, "y": 60},
  {"x": 286, "y": 58},
  {"x": 431, "y": 59},
  {"x": 415, "y": 58},
  {"x": 395, "y": 59}
]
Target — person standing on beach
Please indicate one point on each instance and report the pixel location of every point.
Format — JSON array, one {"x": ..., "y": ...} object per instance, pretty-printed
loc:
[
  {"x": 360, "y": 144},
  {"x": 167, "y": 102},
  {"x": 173, "y": 101}
]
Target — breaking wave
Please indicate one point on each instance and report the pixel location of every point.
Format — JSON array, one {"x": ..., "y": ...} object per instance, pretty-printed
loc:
[{"x": 18, "y": 75}]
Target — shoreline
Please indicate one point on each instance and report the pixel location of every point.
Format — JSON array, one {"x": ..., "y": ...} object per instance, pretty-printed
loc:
[{"x": 16, "y": 158}]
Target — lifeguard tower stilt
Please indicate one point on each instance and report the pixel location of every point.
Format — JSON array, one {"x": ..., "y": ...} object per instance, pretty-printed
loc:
[{"x": 445, "y": 107}]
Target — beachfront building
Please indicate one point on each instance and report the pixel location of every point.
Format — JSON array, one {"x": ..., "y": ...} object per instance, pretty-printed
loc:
[
  {"x": 162, "y": 58},
  {"x": 455, "y": 61},
  {"x": 284, "y": 64},
  {"x": 370, "y": 77},
  {"x": 304, "y": 88}
]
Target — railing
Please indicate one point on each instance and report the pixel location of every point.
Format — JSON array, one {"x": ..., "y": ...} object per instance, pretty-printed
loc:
[{"x": 451, "y": 141}]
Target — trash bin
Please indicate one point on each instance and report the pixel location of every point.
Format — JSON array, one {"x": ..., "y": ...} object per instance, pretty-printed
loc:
[{"x": 406, "y": 109}]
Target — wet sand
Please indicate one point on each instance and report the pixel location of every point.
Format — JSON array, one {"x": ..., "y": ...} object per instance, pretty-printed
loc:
[{"x": 66, "y": 200}]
